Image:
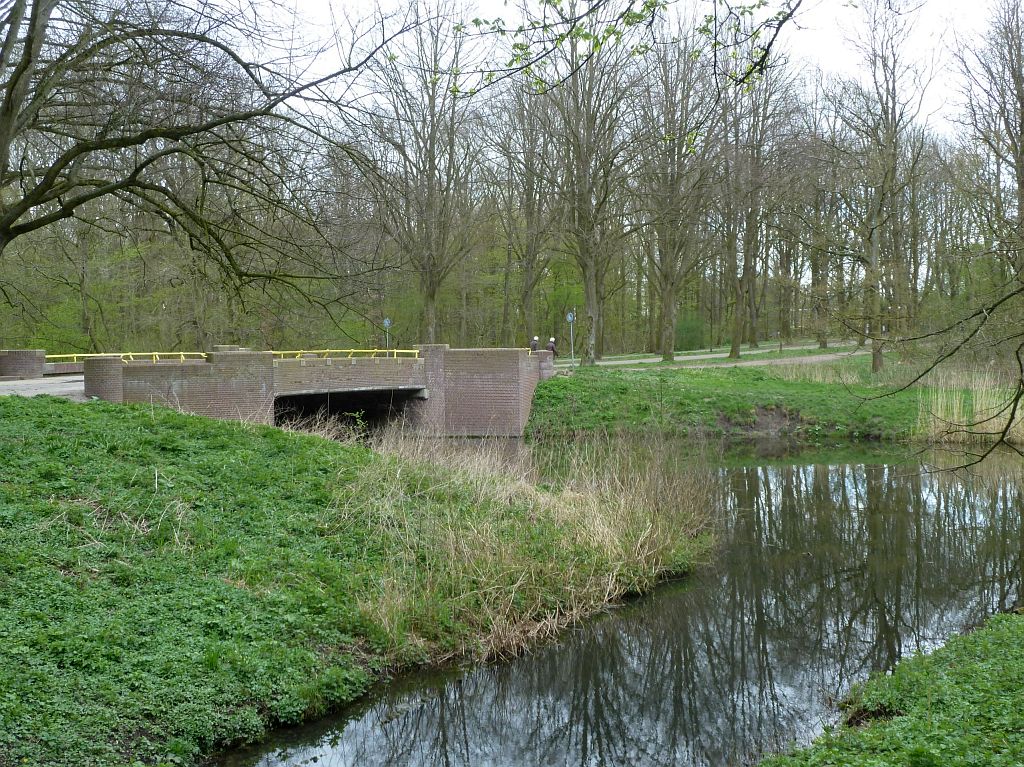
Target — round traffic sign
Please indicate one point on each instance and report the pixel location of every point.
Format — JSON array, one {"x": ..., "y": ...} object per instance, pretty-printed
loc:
[
  {"x": 570, "y": 318},
  {"x": 386, "y": 323}
]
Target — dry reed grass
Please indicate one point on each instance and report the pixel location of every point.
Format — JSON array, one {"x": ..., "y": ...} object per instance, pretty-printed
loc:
[
  {"x": 324, "y": 425},
  {"x": 972, "y": 406},
  {"x": 852, "y": 371},
  {"x": 966, "y": 405},
  {"x": 473, "y": 534}
]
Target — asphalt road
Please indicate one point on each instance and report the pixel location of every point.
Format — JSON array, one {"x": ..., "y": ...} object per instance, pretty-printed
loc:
[
  {"x": 683, "y": 358},
  {"x": 71, "y": 387},
  {"x": 806, "y": 360}
]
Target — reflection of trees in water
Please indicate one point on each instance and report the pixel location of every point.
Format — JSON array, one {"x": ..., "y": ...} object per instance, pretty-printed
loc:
[{"x": 828, "y": 573}]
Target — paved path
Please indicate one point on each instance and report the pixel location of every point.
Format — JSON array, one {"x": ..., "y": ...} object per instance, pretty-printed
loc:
[
  {"x": 806, "y": 360},
  {"x": 681, "y": 358},
  {"x": 72, "y": 387}
]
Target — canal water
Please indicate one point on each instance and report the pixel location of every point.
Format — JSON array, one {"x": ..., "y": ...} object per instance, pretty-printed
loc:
[{"x": 825, "y": 572}]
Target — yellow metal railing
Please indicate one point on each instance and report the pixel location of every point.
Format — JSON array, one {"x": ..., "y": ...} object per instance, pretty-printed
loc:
[
  {"x": 294, "y": 354},
  {"x": 130, "y": 356},
  {"x": 348, "y": 353}
]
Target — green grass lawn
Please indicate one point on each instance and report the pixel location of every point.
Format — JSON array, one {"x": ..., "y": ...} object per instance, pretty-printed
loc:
[
  {"x": 961, "y": 706},
  {"x": 171, "y": 585},
  {"x": 729, "y": 402}
]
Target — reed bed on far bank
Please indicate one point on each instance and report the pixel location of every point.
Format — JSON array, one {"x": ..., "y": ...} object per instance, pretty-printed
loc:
[
  {"x": 853, "y": 370},
  {"x": 964, "y": 405},
  {"x": 969, "y": 407}
]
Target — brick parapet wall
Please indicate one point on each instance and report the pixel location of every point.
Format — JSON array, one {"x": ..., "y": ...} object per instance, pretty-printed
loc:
[
  {"x": 233, "y": 385},
  {"x": 529, "y": 375},
  {"x": 315, "y": 374},
  {"x": 64, "y": 368},
  {"x": 546, "y": 364},
  {"x": 22, "y": 363}
]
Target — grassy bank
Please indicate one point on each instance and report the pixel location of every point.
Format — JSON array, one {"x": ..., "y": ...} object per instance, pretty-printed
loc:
[
  {"x": 733, "y": 402},
  {"x": 171, "y": 585},
  {"x": 959, "y": 706},
  {"x": 821, "y": 404}
]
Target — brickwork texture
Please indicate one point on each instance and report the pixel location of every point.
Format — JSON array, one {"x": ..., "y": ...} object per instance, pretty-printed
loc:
[
  {"x": 234, "y": 385},
  {"x": 313, "y": 375},
  {"x": 465, "y": 392},
  {"x": 104, "y": 378},
  {"x": 22, "y": 363}
]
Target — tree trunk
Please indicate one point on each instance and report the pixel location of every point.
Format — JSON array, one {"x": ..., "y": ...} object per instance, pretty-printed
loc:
[
  {"x": 507, "y": 333},
  {"x": 785, "y": 278},
  {"x": 592, "y": 311},
  {"x": 874, "y": 308},
  {"x": 819, "y": 290},
  {"x": 738, "y": 316},
  {"x": 430, "y": 316},
  {"x": 668, "y": 324}
]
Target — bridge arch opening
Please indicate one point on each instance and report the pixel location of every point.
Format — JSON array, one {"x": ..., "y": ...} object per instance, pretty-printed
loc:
[{"x": 369, "y": 408}]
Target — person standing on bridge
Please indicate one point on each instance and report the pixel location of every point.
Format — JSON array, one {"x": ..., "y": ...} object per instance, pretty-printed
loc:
[
  {"x": 535, "y": 344},
  {"x": 551, "y": 347}
]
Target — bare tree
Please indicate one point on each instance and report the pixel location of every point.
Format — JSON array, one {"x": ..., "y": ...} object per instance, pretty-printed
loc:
[
  {"x": 588, "y": 121},
  {"x": 754, "y": 119},
  {"x": 884, "y": 154},
  {"x": 546, "y": 27},
  {"x": 674, "y": 167},
  {"x": 167, "y": 106},
  {"x": 820, "y": 186},
  {"x": 523, "y": 151},
  {"x": 419, "y": 134},
  {"x": 994, "y": 71}
]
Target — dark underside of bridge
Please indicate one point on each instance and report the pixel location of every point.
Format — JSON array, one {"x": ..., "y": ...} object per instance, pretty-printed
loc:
[{"x": 370, "y": 409}]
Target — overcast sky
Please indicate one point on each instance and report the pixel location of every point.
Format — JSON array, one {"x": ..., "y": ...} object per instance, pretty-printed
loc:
[
  {"x": 820, "y": 36},
  {"x": 824, "y": 28}
]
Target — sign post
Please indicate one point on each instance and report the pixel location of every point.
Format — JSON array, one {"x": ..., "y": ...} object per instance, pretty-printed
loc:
[
  {"x": 387, "y": 332},
  {"x": 571, "y": 319}
]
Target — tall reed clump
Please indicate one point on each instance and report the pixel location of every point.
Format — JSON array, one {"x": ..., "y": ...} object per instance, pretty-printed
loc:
[
  {"x": 969, "y": 407},
  {"x": 485, "y": 552}
]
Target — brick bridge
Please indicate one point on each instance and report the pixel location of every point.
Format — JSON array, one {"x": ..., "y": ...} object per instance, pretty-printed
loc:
[{"x": 436, "y": 389}]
